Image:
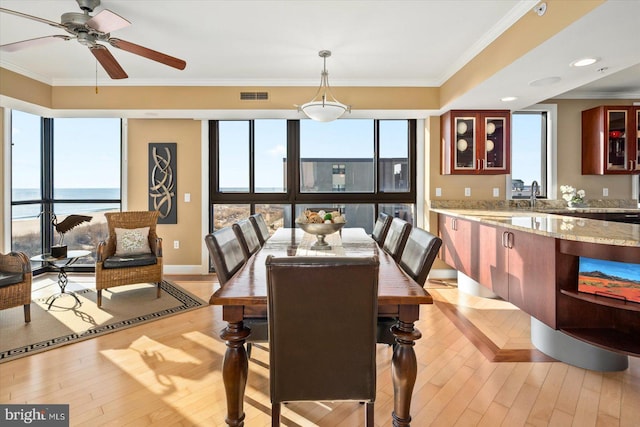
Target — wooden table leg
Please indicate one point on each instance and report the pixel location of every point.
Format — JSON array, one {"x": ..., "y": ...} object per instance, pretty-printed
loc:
[
  {"x": 404, "y": 370},
  {"x": 235, "y": 368}
]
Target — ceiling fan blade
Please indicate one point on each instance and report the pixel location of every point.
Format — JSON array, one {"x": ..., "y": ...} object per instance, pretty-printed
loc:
[
  {"x": 107, "y": 21},
  {"x": 39, "y": 41},
  {"x": 108, "y": 62},
  {"x": 148, "y": 53},
  {"x": 33, "y": 18}
]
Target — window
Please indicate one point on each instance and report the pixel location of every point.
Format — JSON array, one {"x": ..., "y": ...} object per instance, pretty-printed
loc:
[
  {"x": 54, "y": 175},
  {"x": 280, "y": 168},
  {"x": 323, "y": 145},
  {"x": 394, "y": 158},
  {"x": 529, "y": 147}
]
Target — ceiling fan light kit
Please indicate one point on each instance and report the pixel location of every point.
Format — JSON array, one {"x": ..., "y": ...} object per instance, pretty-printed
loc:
[
  {"x": 324, "y": 107},
  {"x": 91, "y": 31}
]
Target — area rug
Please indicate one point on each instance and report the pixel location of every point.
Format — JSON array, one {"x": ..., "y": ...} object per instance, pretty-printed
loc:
[{"x": 67, "y": 322}]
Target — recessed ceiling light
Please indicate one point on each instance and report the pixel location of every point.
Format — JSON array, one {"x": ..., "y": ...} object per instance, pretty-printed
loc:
[
  {"x": 583, "y": 62},
  {"x": 546, "y": 81},
  {"x": 508, "y": 99}
]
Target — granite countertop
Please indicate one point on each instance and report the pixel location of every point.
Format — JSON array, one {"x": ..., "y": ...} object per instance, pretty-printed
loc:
[{"x": 551, "y": 224}]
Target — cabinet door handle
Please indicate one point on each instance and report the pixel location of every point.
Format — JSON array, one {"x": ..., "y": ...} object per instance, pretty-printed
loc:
[
  {"x": 454, "y": 224},
  {"x": 504, "y": 239},
  {"x": 510, "y": 238}
]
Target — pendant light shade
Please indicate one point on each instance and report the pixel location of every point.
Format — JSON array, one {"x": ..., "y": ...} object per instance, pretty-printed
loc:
[{"x": 324, "y": 107}]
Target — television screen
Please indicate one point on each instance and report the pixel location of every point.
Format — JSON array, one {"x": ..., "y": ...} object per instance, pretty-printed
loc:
[{"x": 620, "y": 280}]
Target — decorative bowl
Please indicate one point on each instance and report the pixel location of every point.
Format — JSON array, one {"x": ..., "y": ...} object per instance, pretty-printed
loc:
[{"x": 320, "y": 231}]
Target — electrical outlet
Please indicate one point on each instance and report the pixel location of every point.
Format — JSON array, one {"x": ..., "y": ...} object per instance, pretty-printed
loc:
[
  {"x": 467, "y": 191},
  {"x": 496, "y": 192},
  {"x": 438, "y": 192},
  {"x": 187, "y": 197},
  {"x": 605, "y": 192},
  {"x": 176, "y": 244}
]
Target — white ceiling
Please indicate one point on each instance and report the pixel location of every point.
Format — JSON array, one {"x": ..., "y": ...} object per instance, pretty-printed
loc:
[{"x": 374, "y": 43}]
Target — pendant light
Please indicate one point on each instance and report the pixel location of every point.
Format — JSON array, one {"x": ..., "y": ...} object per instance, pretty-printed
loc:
[{"x": 324, "y": 107}]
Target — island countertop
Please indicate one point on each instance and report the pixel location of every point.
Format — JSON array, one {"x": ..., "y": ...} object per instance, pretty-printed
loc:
[{"x": 552, "y": 224}]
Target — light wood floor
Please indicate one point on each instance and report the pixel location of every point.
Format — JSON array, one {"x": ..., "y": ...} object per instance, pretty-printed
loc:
[{"x": 167, "y": 373}]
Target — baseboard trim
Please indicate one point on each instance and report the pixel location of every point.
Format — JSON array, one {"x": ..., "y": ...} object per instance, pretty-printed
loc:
[{"x": 185, "y": 269}]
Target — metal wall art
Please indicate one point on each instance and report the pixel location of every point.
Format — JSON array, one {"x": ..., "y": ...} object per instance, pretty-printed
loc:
[{"x": 162, "y": 181}]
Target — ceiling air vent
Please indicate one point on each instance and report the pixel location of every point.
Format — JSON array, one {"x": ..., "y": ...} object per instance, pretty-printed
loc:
[{"x": 254, "y": 96}]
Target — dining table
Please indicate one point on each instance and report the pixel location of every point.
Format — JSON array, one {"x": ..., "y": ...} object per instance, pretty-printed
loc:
[{"x": 244, "y": 296}]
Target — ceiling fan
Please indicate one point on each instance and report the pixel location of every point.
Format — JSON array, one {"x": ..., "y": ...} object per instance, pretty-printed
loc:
[{"x": 91, "y": 31}]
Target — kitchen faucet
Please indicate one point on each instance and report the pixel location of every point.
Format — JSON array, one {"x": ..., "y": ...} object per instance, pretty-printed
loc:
[{"x": 535, "y": 191}]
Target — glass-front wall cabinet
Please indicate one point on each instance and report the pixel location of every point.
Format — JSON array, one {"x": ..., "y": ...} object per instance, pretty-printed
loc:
[
  {"x": 617, "y": 153},
  {"x": 611, "y": 140},
  {"x": 465, "y": 149},
  {"x": 637, "y": 138},
  {"x": 494, "y": 143},
  {"x": 476, "y": 142}
]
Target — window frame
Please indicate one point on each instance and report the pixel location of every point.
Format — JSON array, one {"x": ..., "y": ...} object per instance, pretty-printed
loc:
[
  {"x": 549, "y": 161},
  {"x": 47, "y": 200},
  {"x": 293, "y": 196}
]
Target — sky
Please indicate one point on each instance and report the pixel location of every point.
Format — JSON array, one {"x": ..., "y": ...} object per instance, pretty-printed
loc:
[
  {"x": 87, "y": 152},
  {"x": 614, "y": 268},
  {"x": 525, "y": 148}
]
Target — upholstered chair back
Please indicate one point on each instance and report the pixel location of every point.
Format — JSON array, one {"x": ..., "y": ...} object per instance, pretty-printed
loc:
[
  {"x": 396, "y": 237},
  {"x": 226, "y": 253},
  {"x": 419, "y": 253},
  {"x": 322, "y": 329},
  {"x": 380, "y": 228},
  {"x": 260, "y": 226}
]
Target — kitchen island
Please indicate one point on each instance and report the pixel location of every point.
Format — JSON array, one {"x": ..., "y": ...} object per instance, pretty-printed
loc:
[{"x": 532, "y": 259}]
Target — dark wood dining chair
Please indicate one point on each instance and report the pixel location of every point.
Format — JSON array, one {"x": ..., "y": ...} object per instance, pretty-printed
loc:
[
  {"x": 322, "y": 330},
  {"x": 381, "y": 228},
  {"x": 228, "y": 257},
  {"x": 416, "y": 260},
  {"x": 247, "y": 236},
  {"x": 396, "y": 237},
  {"x": 261, "y": 228}
]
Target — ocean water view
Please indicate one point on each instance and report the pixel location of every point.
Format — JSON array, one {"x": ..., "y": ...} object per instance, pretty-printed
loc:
[{"x": 77, "y": 207}]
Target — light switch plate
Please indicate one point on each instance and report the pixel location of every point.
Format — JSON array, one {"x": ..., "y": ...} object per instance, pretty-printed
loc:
[
  {"x": 187, "y": 197},
  {"x": 496, "y": 192},
  {"x": 438, "y": 192},
  {"x": 605, "y": 192},
  {"x": 467, "y": 191}
]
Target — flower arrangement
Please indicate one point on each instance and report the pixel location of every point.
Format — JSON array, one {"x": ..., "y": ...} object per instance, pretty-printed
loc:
[{"x": 572, "y": 196}]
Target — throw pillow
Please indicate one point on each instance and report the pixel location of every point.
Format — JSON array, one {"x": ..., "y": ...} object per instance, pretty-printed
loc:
[{"x": 130, "y": 241}]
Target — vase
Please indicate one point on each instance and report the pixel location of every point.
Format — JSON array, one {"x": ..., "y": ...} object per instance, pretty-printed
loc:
[{"x": 575, "y": 205}]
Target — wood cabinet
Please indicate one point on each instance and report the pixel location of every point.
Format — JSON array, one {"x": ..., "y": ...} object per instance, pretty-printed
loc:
[
  {"x": 531, "y": 274},
  {"x": 539, "y": 275},
  {"x": 517, "y": 266},
  {"x": 611, "y": 140},
  {"x": 456, "y": 242},
  {"x": 476, "y": 142}
]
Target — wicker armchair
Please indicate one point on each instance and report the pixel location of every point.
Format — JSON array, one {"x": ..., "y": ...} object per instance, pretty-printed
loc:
[
  {"x": 15, "y": 282},
  {"x": 112, "y": 270}
]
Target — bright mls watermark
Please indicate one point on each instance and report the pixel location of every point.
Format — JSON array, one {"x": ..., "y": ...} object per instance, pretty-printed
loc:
[{"x": 34, "y": 415}]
